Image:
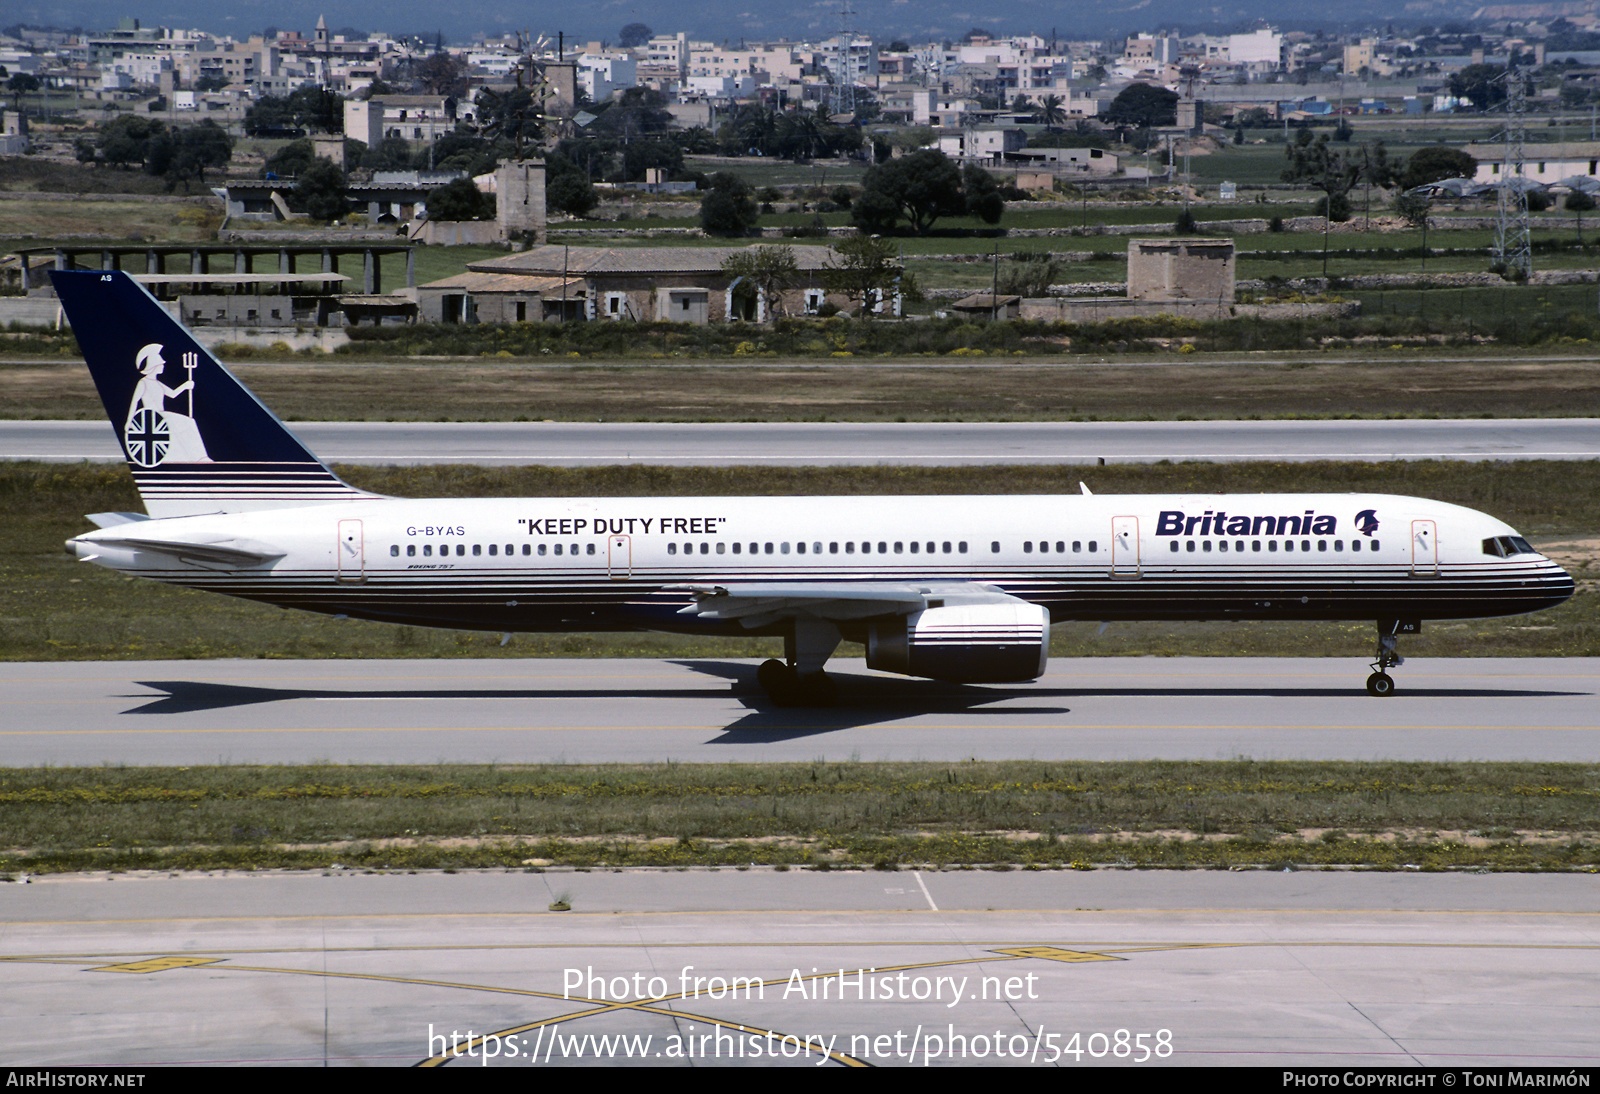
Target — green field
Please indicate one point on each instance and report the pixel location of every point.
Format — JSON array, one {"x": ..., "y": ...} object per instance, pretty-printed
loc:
[{"x": 1034, "y": 815}]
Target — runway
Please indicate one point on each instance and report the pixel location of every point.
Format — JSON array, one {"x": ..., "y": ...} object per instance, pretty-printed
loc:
[
  {"x": 588, "y": 444},
  {"x": 761, "y": 968},
  {"x": 643, "y": 711}
]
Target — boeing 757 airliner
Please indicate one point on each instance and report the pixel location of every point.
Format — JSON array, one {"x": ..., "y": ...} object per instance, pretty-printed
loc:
[{"x": 952, "y": 588}]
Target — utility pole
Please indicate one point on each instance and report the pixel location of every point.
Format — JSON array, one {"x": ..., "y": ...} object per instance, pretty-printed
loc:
[{"x": 1513, "y": 247}]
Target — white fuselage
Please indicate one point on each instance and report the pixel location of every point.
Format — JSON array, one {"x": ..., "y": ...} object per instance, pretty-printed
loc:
[{"x": 549, "y": 564}]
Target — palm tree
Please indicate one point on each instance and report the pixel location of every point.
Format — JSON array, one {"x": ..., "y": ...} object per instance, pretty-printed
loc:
[{"x": 1051, "y": 112}]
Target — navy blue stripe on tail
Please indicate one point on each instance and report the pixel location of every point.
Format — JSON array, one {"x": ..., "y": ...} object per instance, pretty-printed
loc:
[{"x": 196, "y": 439}]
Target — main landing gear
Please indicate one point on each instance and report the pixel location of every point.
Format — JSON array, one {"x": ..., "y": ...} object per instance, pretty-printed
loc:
[
  {"x": 798, "y": 680},
  {"x": 1380, "y": 683}
]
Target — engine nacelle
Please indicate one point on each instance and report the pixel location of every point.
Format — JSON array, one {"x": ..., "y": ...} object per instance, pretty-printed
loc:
[{"x": 964, "y": 643}]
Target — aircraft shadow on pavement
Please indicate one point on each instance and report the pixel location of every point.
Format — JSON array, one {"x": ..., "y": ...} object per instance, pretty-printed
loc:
[{"x": 861, "y": 700}]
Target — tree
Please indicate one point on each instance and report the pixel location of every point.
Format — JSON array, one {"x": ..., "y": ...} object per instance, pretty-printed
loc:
[
  {"x": 865, "y": 269},
  {"x": 770, "y": 269},
  {"x": 640, "y": 111},
  {"x": 1334, "y": 170},
  {"x": 1437, "y": 162},
  {"x": 290, "y": 161},
  {"x": 320, "y": 191},
  {"x": 443, "y": 74},
  {"x": 921, "y": 187},
  {"x": 1580, "y": 202},
  {"x": 182, "y": 155},
  {"x": 1052, "y": 112},
  {"x": 1143, "y": 106},
  {"x": 729, "y": 209},
  {"x": 1481, "y": 85},
  {"x": 20, "y": 84},
  {"x": 981, "y": 194},
  {"x": 567, "y": 188},
  {"x": 1412, "y": 208},
  {"x": 460, "y": 199},
  {"x": 125, "y": 141},
  {"x": 634, "y": 35}
]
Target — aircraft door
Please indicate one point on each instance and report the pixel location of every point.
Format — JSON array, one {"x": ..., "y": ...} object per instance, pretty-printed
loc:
[
  {"x": 1124, "y": 546},
  {"x": 1424, "y": 549},
  {"x": 619, "y": 557},
  {"x": 350, "y": 553}
]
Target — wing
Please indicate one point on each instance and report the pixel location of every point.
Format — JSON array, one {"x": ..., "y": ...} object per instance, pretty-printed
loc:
[{"x": 758, "y": 604}]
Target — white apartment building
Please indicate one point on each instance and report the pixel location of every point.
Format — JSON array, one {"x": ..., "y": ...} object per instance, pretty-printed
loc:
[{"x": 603, "y": 74}]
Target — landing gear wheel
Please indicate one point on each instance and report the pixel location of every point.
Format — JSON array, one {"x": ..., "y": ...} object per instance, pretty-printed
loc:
[
  {"x": 787, "y": 688},
  {"x": 773, "y": 675},
  {"x": 1380, "y": 684}
]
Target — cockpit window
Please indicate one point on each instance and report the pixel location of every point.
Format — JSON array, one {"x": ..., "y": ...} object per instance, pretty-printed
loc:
[{"x": 1506, "y": 546}]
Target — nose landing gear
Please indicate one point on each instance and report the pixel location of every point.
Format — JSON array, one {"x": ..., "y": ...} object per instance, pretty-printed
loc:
[{"x": 1380, "y": 683}]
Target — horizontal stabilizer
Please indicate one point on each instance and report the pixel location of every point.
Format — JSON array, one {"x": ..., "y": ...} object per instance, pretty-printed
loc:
[
  {"x": 229, "y": 551},
  {"x": 111, "y": 520}
]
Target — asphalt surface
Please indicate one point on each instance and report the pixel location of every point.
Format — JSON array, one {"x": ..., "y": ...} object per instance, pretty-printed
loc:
[
  {"x": 1273, "y": 969},
  {"x": 579, "y": 444},
  {"x": 644, "y": 711}
]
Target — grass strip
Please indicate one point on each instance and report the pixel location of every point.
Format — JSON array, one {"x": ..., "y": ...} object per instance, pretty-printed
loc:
[
  {"x": 1377, "y": 814},
  {"x": 1392, "y": 381}
]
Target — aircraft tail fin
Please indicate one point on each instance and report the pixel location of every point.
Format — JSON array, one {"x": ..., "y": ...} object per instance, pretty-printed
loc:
[{"x": 196, "y": 439}]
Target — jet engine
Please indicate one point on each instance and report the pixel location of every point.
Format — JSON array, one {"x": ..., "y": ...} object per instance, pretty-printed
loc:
[{"x": 985, "y": 643}]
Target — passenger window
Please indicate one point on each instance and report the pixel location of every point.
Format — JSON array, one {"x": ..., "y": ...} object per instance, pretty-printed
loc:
[
  {"x": 783, "y": 548},
  {"x": 558, "y": 548},
  {"x": 995, "y": 547},
  {"x": 590, "y": 551},
  {"x": 477, "y": 550},
  {"x": 411, "y": 550},
  {"x": 1189, "y": 546},
  {"x": 722, "y": 548},
  {"x": 1027, "y": 546},
  {"x": 1174, "y": 546},
  {"x": 541, "y": 550},
  {"x": 394, "y": 550},
  {"x": 1093, "y": 547},
  {"x": 672, "y": 548},
  {"x": 427, "y": 550}
]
